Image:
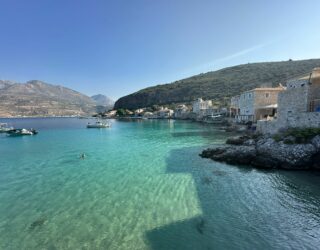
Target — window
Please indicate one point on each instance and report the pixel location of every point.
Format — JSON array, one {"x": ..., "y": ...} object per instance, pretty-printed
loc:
[{"x": 267, "y": 95}]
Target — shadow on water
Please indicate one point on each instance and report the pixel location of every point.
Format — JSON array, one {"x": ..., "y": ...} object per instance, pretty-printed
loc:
[
  {"x": 200, "y": 232},
  {"x": 195, "y": 133},
  {"x": 230, "y": 219}
]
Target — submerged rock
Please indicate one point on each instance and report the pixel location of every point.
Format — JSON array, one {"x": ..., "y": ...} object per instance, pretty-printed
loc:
[
  {"x": 200, "y": 226},
  {"x": 207, "y": 180},
  {"x": 219, "y": 172},
  {"x": 38, "y": 222},
  {"x": 268, "y": 153}
]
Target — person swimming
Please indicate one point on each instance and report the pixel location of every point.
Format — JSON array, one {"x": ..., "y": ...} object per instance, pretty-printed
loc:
[{"x": 82, "y": 156}]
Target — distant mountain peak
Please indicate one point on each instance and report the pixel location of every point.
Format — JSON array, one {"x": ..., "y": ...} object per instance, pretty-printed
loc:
[
  {"x": 38, "y": 98},
  {"x": 103, "y": 100}
]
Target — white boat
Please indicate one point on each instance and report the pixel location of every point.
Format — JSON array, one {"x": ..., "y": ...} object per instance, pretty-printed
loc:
[
  {"x": 23, "y": 131},
  {"x": 4, "y": 128},
  {"x": 98, "y": 124},
  {"x": 214, "y": 119}
]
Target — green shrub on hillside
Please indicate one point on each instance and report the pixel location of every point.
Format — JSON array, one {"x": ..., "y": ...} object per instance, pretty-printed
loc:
[
  {"x": 297, "y": 135},
  {"x": 303, "y": 135},
  {"x": 218, "y": 85}
]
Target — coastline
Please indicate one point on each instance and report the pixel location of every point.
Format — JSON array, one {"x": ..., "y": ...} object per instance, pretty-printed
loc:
[{"x": 268, "y": 153}]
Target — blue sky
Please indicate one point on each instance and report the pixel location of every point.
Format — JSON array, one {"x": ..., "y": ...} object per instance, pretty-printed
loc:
[{"x": 118, "y": 47}]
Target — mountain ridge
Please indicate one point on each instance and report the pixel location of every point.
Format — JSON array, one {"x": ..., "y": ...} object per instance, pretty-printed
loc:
[
  {"x": 38, "y": 98},
  {"x": 218, "y": 85}
]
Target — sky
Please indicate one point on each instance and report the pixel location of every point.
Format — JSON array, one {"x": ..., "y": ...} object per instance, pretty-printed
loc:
[{"x": 116, "y": 47}]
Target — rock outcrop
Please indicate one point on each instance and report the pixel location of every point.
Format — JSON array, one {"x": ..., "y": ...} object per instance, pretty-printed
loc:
[{"x": 268, "y": 153}]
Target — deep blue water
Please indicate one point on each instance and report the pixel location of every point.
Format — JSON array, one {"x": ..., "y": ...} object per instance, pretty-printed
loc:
[{"x": 142, "y": 185}]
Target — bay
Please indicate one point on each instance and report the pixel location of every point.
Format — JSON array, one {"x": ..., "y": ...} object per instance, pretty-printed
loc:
[{"x": 142, "y": 185}]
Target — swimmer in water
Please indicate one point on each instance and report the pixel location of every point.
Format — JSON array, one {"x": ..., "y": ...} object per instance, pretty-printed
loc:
[{"x": 82, "y": 156}]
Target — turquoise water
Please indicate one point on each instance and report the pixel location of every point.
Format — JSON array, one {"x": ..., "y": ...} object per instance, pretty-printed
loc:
[{"x": 143, "y": 186}]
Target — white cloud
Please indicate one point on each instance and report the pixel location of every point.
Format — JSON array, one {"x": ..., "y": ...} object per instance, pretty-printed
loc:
[
  {"x": 223, "y": 61},
  {"x": 240, "y": 53}
]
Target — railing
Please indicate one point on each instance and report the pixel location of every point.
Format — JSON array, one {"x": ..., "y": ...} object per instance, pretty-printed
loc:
[{"x": 314, "y": 105}]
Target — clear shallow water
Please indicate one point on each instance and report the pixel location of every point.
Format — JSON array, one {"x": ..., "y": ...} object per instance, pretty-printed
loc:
[{"x": 143, "y": 186}]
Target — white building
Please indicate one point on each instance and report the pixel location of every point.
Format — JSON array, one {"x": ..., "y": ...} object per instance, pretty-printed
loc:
[
  {"x": 181, "y": 112},
  {"x": 257, "y": 104},
  {"x": 165, "y": 113},
  {"x": 199, "y": 105},
  {"x": 201, "y": 108},
  {"x": 148, "y": 115},
  {"x": 111, "y": 113},
  {"x": 139, "y": 111}
]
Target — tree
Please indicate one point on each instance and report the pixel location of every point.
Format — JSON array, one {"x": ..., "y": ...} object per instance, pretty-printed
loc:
[{"x": 121, "y": 112}]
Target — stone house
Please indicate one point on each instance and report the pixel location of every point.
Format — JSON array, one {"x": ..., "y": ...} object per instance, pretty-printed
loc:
[
  {"x": 181, "y": 112},
  {"x": 200, "y": 105},
  {"x": 234, "y": 106},
  {"x": 111, "y": 113},
  {"x": 202, "y": 108},
  {"x": 256, "y": 104},
  {"x": 298, "y": 105},
  {"x": 165, "y": 113},
  {"x": 140, "y": 111},
  {"x": 148, "y": 115}
]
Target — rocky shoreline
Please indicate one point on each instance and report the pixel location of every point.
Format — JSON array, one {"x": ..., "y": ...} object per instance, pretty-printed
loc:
[{"x": 269, "y": 153}]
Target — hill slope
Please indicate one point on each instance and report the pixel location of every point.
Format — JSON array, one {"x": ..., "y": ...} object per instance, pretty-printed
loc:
[
  {"x": 37, "y": 98},
  {"x": 218, "y": 85}
]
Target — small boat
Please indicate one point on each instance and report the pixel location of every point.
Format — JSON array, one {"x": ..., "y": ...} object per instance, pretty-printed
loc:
[
  {"x": 98, "y": 124},
  {"x": 23, "y": 131},
  {"x": 4, "y": 128},
  {"x": 214, "y": 119}
]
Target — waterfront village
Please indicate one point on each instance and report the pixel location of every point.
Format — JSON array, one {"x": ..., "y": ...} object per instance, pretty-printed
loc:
[{"x": 293, "y": 104}]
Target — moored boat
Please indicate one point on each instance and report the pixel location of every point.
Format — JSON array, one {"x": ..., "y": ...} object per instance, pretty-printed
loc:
[
  {"x": 21, "y": 132},
  {"x": 214, "y": 119},
  {"x": 4, "y": 128},
  {"x": 98, "y": 124}
]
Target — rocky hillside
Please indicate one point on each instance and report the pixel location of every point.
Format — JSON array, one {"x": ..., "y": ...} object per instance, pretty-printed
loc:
[
  {"x": 219, "y": 85},
  {"x": 37, "y": 98},
  {"x": 102, "y": 100}
]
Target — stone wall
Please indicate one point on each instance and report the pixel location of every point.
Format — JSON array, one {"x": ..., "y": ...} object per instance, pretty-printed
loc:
[
  {"x": 297, "y": 83},
  {"x": 266, "y": 97},
  {"x": 293, "y": 100},
  {"x": 302, "y": 120},
  {"x": 314, "y": 96},
  {"x": 296, "y": 105},
  {"x": 267, "y": 127}
]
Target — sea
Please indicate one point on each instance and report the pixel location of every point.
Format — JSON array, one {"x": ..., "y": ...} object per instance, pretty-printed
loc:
[{"x": 142, "y": 185}]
